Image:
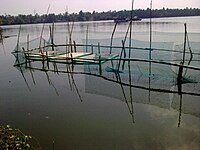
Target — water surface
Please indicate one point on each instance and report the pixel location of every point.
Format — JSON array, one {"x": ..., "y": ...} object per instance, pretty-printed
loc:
[{"x": 79, "y": 111}]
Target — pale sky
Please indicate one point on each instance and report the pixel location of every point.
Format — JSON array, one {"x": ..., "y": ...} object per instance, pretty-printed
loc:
[{"x": 15, "y": 7}]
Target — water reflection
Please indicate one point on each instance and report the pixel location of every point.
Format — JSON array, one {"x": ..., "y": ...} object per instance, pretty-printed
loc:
[
  {"x": 102, "y": 109},
  {"x": 115, "y": 85}
]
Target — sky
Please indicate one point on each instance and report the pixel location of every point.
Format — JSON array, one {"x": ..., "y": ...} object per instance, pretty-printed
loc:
[{"x": 15, "y": 7}]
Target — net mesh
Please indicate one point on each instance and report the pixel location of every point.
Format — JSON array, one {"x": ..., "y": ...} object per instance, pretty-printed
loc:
[{"x": 140, "y": 49}]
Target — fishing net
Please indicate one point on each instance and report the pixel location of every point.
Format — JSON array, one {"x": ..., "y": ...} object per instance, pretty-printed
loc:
[
  {"x": 32, "y": 46},
  {"x": 155, "y": 65},
  {"x": 191, "y": 58},
  {"x": 156, "y": 62}
]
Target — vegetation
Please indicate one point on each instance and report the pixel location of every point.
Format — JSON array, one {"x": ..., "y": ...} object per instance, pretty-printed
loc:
[
  {"x": 13, "y": 139},
  {"x": 95, "y": 16}
]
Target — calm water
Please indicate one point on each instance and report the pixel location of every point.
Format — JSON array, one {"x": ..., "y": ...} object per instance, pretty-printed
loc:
[{"x": 88, "y": 112}]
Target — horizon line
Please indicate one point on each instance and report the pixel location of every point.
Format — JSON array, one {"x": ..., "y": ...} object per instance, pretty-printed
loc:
[{"x": 40, "y": 14}]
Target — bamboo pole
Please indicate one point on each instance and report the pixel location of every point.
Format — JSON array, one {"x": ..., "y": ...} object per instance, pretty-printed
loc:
[
  {"x": 129, "y": 64},
  {"x": 74, "y": 46},
  {"x": 27, "y": 55},
  {"x": 126, "y": 33},
  {"x": 43, "y": 30},
  {"x": 72, "y": 61},
  {"x": 131, "y": 21},
  {"x": 150, "y": 34},
  {"x": 66, "y": 47},
  {"x": 111, "y": 41},
  {"x": 179, "y": 78},
  {"x": 27, "y": 42},
  {"x": 18, "y": 44},
  {"x": 18, "y": 37},
  {"x": 190, "y": 50},
  {"x": 191, "y": 54},
  {"x": 184, "y": 43},
  {"x": 180, "y": 111},
  {"x": 99, "y": 48},
  {"x": 123, "y": 49},
  {"x": 47, "y": 57},
  {"x": 70, "y": 30},
  {"x": 99, "y": 53},
  {"x": 52, "y": 38},
  {"x": 150, "y": 49},
  {"x": 180, "y": 71},
  {"x": 87, "y": 38},
  {"x": 92, "y": 49}
]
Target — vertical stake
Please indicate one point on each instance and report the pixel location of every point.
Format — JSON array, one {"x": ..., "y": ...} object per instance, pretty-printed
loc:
[
  {"x": 72, "y": 61},
  {"x": 180, "y": 71},
  {"x": 184, "y": 43},
  {"x": 27, "y": 48},
  {"x": 27, "y": 42},
  {"x": 87, "y": 38},
  {"x": 74, "y": 46},
  {"x": 112, "y": 37},
  {"x": 99, "y": 53},
  {"x": 92, "y": 49}
]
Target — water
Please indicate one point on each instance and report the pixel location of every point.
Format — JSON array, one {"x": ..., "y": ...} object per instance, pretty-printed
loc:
[{"x": 90, "y": 112}]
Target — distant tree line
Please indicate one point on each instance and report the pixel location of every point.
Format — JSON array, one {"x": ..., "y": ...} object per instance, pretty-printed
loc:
[{"x": 96, "y": 16}]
